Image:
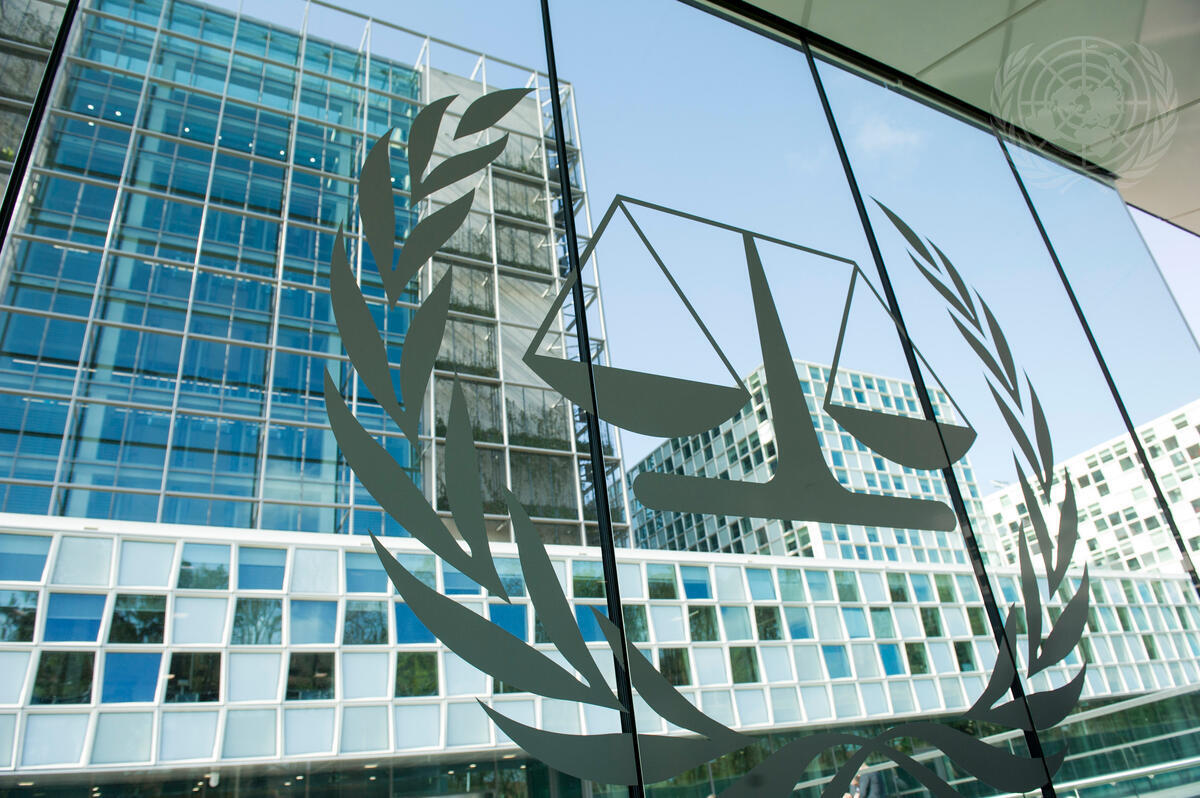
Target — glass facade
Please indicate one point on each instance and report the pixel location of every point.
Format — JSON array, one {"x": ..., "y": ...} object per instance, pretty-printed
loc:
[{"x": 871, "y": 430}]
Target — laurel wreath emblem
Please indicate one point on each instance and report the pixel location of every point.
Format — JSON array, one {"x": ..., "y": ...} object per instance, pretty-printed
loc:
[{"x": 607, "y": 758}]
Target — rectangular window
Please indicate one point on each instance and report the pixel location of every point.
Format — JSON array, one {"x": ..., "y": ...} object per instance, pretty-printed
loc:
[
  {"x": 945, "y": 588},
  {"x": 457, "y": 583},
  {"x": 258, "y": 622},
  {"x": 847, "y": 585},
  {"x": 205, "y": 566},
  {"x": 703, "y": 623},
  {"x": 836, "y": 661},
  {"x": 737, "y": 623},
  {"x": 18, "y": 615},
  {"x": 762, "y": 587},
  {"x": 636, "y": 627},
  {"x": 818, "y": 585},
  {"x": 660, "y": 578},
  {"x": 931, "y": 619},
  {"x": 695, "y": 582},
  {"x": 409, "y": 628},
  {"x": 799, "y": 623},
  {"x": 365, "y": 624},
  {"x": 965, "y": 653},
  {"x": 890, "y": 654},
  {"x": 918, "y": 662},
  {"x": 922, "y": 589},
  {"x": 260, "y": 569},
  {"x": 767, "y": 621},
  {"x": 364, "y": 573},
  {"x": 881, "y": 619},
  {"x": 130, "y": 677},
  {"x": 512, "y": 618},
  {"x": 673, "y": 665},
  {"x": 898, "y": 587},
  {"x": 74, "y": 617},
  {"x": 194, "y": 677},
  {"x": 744, "y": 664},
  {"x": 856, "y": 622},
  {"x": 310, "y": 676},
  {"x": 138, "y": 619},
  {"x": 587, "y": 579},
  {"x": 416, "y": 673},
  {"x": 64, "y": 677},
  {"x": 313, "y": 621},
  {"x": 23, "y": 557}
]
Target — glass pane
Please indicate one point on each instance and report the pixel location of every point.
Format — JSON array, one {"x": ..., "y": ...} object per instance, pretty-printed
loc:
[
  {"x": 313, "y": 621},
  {"x": 138, "y": 619},
  {"x": 366, "y": 623},
  {"x": 194, "y": 677},
  {"x": 204, "y": 566},
  {"x": 18, "y": 615},
  {"x": 64, "y": 677},
  {"x": 260, "y": 569},
  {"x": 130, "y": 677},
  {"x": 416, "y": 673},
  {"x": 145, "y": 564},
  {"x": 82, "y": 561},
  {"x": 257, "y": 621},
  {"x": 74, "y": 616},
  {"x": 364, "y": 573}
]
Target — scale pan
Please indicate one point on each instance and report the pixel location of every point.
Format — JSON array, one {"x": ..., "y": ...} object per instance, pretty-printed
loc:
[{"x": 912, "y": 442}]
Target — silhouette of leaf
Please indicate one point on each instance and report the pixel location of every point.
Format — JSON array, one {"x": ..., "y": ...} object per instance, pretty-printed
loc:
[
  {"x": 1002, "y": 350},
  {"x": 1068, "y": 534},
  {"x": 488, "y": 110},
  {"x": 551, "y": 607},
  {"x": 1014, "y": 427},
  {"x": 1043, "y": 437},
  {"x": 457, "y": 167},
  {"x": 1003, "y": 672},
  {"x": 839, "y": 785},
  {"x": 912, "y": 238},
  {"x": 421, "y": 345},
  {"x": 462, "y": 479},
  {"x": 959, "y": 285},
  {"x": 941, "y": 288},
  {"x": 1032, "y": 599},
  {"x": 376, "y": 203},
  {"x": 1040, "y": 710},
  {"x": 388, "y": 483},
  {"x": 479, "y": 641},
  {"x": 661, "y": 695},
  {"x": 982, "y": 353},
  {"x": 425, "y": 239},
  {"x": 1033, "y": 507},
  {"x": 360, "y": 336},
  {"x": 422, "y": 136},
  {"x": 1066, "y": 632}
]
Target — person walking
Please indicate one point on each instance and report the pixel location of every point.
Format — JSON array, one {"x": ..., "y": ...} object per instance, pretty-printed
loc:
[{"x": 866, "y": 785}]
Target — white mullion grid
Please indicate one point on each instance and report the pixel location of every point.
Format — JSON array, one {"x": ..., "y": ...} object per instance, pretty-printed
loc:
[
  {"x": 264, "y": 437},
  {"x": 102, "y": 271},
  {"x": 187, "y": 316}
]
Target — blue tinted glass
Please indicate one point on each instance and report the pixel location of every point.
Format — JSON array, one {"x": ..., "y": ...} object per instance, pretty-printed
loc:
[
  {"x": 1009, "y": 587},
  {"x": 204, "y": 566},
  {"x": 74, "y": 616},
  {"x": 856, "y": 622},
  {"x": 409, "y": 628},
  {"x": 510, "y": 618},
  {"x": 130, "y": 677},
  {"x": 890, "y": 653},
  {"x": 458, "y": 583},
  {"x": 313, "y": 621},
  {"x": 364, "y": 573},
  {"x": 23, "y": 557},
  {"x": 922, "y": 587},
  {"x": 261, "y": 569},
  {"x": 762, "y": 587},
  {"x": 588, "y": 624},
  {"x": 836, "y": 661},
  {"x": 509, "y": 570},
  {"x": 695, "y": 581},
  {"x": 790, "y": 586},
  {"x": 799, "y": 624},
  {"x": 818, "y": 585}
]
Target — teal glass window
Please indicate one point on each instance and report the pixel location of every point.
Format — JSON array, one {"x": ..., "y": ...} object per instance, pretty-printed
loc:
[
  {"x": 23, "y": 557},
  {"x": 457, "y": 583},
  {"x": 931, "y": 619},
  {"x": 836, "y": 661},
  {"x": 509, "y": 571},
  {"x": 978, "y": 621},
  {"x": 138, "y": 619},
  {"x": 767, "y": 621},
  {"x": 364, "y": 573},
  {"x": 922, "y": 589},
  {"x": 416, "y": 673},
  {"x": 856, "y": 622},
  {"x": 588, "y": 625},
  {"x": 512, "y": 618},
  {"x": 818, "y": 585},
  {"x": 890, "y": 654},
  {"x": 847, "y": 585},
  {"x": 881, "y": 619},
  {"x": 130, "y": 677},
  {"x": 964, "y": 652},
  {"x": 673, "y": 665},
  {"x": 897, "y": 587},
  {"x": 310, "y": 676},
  {"x": 791, "y": 584},
  {"x": 660, "y": 579},
  {"x": 637, "y": 629},
  {"x": 313, "y": 621},
  {"x": 64, "y": 677},
  {"x": 744, "y": 664},
  {"x": 799, "y": 623},
  {"x": 258, "y": 622},
  {"x": 762, "y": 587},
  {"x": 703, "y": 623},
  {"x": 918, "y": 659},
  {"x": 194, "y": 677},
  {"x": 365, "y": 624},
  {"x": 421, "y": 566},
  {"x": 261, "y": 569},
  {"x": 409, "y": 628},
  {"x": 74, "y": 617},
  {"x": 18, "y": 615},
  {"x": 587, "y": 579},
  {"x": 737, "y": 623},
  {"x": 204, "y": 566},
  {"x": 696, "y": 583},
  {"x": 945, "y": 588}
]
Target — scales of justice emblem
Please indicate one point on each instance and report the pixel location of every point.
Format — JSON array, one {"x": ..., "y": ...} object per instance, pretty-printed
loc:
[{"x": 802, "y": 488}]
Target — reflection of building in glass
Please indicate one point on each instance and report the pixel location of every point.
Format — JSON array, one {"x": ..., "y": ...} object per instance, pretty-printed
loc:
[
  {"x": 742, "y": 449},
  {"x": 27, "y": 30},
  {"x": 1118, "y": 513},
  {"x": 133, "y": 646},
  {"x": 168, "y": 321}
]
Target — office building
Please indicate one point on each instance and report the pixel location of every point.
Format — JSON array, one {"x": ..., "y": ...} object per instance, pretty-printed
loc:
[
  {"x": 742, "y": 449},
  {"x": 1118, "y": 515}
]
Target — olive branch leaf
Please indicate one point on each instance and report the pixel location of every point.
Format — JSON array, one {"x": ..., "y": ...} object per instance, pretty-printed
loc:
[{"x": 478, "y": 641}]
